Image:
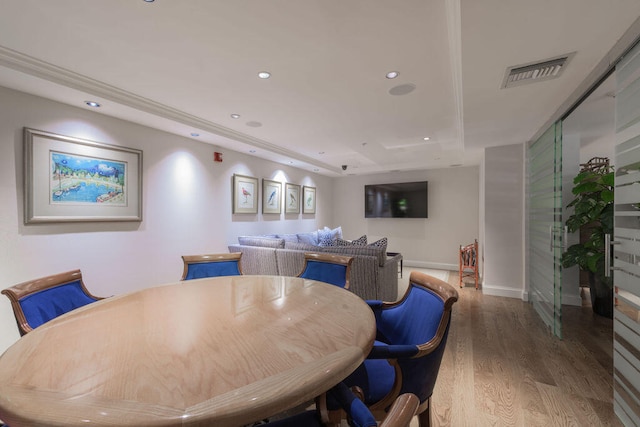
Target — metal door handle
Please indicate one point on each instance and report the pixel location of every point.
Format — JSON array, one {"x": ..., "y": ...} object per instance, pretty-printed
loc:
[{"x": 607, "y": 254}]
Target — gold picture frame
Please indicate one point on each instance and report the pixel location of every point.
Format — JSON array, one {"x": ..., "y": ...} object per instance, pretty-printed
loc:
[
  {"x": 292, "y": 198},
  {"x": 245, "y": 194},
  {"x": 68, "y": 179},
  {"x": 271, "y": 197},
  {"x": 308, "y": 200}
]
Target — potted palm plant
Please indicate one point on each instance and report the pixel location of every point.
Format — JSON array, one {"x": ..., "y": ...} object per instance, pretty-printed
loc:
[{"x": 593, "y": 216}]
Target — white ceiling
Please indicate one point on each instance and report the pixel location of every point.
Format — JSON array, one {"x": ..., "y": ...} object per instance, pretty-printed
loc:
[{"x": 186, "y": 66}]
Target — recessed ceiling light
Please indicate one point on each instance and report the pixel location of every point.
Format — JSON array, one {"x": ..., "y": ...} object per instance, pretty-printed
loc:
[
  {"x": 93, "y": 104},
  {"x": 264, "y": 74},
  {"x": 290, "y": 162},
  {"x": 235, "y": 116},
  {"x": 392, "y": 74},
  {"x": 426, "y": 138},
  {"x": 193, "y": 133},
  {"x": 149, "y": 1}
]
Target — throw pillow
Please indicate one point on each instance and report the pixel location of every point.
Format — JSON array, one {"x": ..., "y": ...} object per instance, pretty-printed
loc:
[
  {"x": 382, "y": 243},
  {"x": 336, "y": 233},
  {"x": 309, "y": 238},
  {"x": 360, "y": 241}
]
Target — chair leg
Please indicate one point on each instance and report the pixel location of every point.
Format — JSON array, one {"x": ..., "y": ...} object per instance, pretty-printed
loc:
[{"x": 424, "y": 417}]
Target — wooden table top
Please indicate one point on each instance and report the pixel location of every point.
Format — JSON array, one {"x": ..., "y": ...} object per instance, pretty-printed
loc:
[{"x": 223, "y": 351}]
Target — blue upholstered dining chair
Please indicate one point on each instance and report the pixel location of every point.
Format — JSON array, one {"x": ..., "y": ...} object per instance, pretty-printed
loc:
[
  {"x": 38, "y": 301},
  {"x": 410, "y": 341},
  {"x": 358, "y": 415},
  {"x": 214, "y": 265},
  {"x": 328, "y": 268}
]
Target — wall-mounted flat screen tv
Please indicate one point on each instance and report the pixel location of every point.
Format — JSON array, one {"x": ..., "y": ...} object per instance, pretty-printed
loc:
[{"x": 398, "y": 200}]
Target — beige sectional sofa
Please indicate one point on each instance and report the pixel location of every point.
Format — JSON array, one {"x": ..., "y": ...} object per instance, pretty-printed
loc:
[{"x": 374, "y": 275}]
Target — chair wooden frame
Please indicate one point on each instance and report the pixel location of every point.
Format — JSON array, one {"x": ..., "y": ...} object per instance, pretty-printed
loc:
[
  {"x": 469, "y": 262},
  {"x": 449, "y": 296},
  {"x": 330, "y": 259},
  {"x": 17, "y": 292},
  {"x": 201, "y": 259}
]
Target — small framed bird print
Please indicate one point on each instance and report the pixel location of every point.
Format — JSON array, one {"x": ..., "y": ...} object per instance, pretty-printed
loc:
[
  {"x": 271, "y": 197},
  {"x": 308, "y": 200},
  {"x": 245, "y": 194},
  {"x": 291, "y": 198}
]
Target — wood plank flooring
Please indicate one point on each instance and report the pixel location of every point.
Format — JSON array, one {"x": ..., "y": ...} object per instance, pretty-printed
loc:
[{"x": 502, "y": 367}]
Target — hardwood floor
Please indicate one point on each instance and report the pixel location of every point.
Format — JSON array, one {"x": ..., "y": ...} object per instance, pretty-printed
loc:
[{"x": 502, "y": 367}]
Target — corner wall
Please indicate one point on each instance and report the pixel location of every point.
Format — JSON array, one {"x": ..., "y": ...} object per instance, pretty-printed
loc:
[
  {"x": 504, "y": 195},
  {"x": 433, "y": 242}
]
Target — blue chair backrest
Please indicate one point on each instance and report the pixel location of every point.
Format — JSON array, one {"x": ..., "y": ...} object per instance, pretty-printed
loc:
[
  {"x": 336, "y": 274},
  {"x": 415, "y": 321},
  {"x": 48, "y": 304},
  {"x": 201, "y": 270}
]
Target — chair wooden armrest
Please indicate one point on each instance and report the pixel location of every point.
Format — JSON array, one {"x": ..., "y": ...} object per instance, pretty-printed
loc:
[{"x": 402, "y": 411}]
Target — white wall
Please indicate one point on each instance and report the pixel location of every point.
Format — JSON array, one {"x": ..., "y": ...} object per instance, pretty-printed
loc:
[
  {"x": 186, "y": 206},
  {"x": 504, "y": 221},
  {"x": 430, "y": 243}
]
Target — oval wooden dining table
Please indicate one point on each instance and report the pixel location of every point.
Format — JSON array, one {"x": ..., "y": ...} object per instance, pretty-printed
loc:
[{"x": 222, "y": 351}]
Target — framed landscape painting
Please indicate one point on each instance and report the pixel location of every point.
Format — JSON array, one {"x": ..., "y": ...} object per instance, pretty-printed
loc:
[
  {"x": 271, "y": 197},
  {"x": 308, "y": 200},
  {"x": 292, "y": 198},
  {"x": 245, "y": 194},
  {"x": 70, "y": 179}
]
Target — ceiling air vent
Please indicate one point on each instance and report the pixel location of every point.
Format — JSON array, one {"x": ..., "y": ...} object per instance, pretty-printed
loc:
[{"x": 535, "y": 71}]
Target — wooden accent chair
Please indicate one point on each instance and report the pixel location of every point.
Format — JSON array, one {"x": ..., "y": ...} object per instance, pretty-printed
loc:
[
  {"x": 38, "y": 301},
  {"x": 400, "y": 414},
  {"x": 410, "y": 340},
  {"x": 469, "y": 262},
  {"x": 329, "y": 268},
  {"x": 214, "y": 265}
]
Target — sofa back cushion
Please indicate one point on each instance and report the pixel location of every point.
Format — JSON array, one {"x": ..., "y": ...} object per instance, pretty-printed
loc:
[
  {"x": 257, "y": 260},
  {"x": 301, "y": 246},
  {"x": 308, "y": 238},
  {"x": 355, "y": 250},
  {"x": 265, "y": 242}
]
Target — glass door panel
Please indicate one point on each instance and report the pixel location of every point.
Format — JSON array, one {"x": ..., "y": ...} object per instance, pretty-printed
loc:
[
  {"x": 545, "y": 228},
  {"x": 626, "y": 239}
]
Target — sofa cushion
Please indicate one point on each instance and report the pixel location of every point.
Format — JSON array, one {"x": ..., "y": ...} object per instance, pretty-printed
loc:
[
  {"x": 355, "y": 250},
  {"x": 265, "y": 242},
  {"x": 299, "y": 246},
  {"x": 288, "y": 237},
  {"x": 308, "y": 238}
]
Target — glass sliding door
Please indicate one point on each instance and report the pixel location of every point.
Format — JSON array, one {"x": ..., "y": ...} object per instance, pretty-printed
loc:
[
  {"x": 545, "y": 228},
  {"x": 626, "y": 239}
]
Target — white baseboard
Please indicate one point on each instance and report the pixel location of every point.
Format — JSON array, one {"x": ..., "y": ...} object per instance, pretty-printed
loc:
[
  {"x": 432, "y": 265},
  {"x": 501, "y": 291},
  {"x": 572, "y": 300}
]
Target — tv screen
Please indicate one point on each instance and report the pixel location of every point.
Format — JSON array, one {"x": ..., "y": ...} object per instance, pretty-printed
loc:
[{"x": 399, "y": 200}]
